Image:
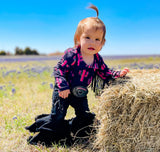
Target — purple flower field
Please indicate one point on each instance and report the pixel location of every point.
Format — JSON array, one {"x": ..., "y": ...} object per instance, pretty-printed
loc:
[
  {"x": 27, "y": 58},
  {"x": 45, "y": 58},
  {"x": 35, "y": 69},
  {"x": 43, "y": 67}
]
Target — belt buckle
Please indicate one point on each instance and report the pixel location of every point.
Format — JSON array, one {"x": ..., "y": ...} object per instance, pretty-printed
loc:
[{"x": 80, "y": 91}]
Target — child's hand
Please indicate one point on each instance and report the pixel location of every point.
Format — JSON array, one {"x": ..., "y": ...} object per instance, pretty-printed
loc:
[
  {"x": 64, "y": 94},
  {"x": 124, "y": 72}
]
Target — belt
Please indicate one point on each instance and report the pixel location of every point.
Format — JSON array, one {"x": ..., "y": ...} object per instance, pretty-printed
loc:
[{"x": 79, "y": 91}]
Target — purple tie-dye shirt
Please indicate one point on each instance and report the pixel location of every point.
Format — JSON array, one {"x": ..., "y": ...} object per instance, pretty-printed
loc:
[{"x": 72, "y": 71}]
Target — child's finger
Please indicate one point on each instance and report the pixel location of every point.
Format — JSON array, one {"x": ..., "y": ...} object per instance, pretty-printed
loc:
[
  {"x": 126, "y": 69},
  {"x": 124, "y": 72},
  {"x": 64, "y": 94}
]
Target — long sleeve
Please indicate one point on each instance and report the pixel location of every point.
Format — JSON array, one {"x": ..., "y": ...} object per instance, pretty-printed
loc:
[
  {"x": 63, "y": 67},
  {"x": 102, "y": 75},
  {"x": 104, "y": 72}
]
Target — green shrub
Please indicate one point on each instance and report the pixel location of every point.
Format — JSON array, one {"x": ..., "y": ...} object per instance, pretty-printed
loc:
[{"x": 2, "y": 52}]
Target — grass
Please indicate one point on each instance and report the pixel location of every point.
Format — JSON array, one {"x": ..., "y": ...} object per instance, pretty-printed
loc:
[{"x": 25, "y": 91}]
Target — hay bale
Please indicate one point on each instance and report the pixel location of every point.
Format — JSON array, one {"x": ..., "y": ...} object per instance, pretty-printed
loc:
[{"x": 130, "y": 114}]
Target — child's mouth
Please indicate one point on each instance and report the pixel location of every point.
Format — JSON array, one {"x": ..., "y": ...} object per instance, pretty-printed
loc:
[{"x": 91, "y": 48}]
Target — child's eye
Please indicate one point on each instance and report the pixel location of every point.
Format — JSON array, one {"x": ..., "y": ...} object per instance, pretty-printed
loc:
[
  {"x": 87, "y": 37},
  {"x": 97, "y": 39}
]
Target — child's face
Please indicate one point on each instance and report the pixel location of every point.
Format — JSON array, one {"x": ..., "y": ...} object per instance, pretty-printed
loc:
[{"x": 91, "y": 40}]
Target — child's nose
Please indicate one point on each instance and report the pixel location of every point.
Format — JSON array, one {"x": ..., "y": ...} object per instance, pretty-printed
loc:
[{"x": 91, "y": 41}]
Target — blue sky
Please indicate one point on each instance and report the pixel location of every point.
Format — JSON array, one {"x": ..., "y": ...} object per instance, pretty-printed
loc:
[{"x": 133, "y": 26}]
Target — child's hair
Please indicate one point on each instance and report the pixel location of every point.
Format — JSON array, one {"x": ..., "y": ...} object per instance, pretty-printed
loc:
[{"x": 95, "y": 22}]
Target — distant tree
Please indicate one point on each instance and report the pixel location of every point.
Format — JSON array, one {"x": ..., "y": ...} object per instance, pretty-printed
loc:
[
  {"x": 2, "y": 52},
  {"x": 34, "y": 52},
  {"x": 18, "y": 51},
  {"x": 27, "y": 51}
]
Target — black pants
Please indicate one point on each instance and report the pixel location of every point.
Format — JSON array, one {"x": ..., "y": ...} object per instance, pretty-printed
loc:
[{"x": 60, "y": 105}]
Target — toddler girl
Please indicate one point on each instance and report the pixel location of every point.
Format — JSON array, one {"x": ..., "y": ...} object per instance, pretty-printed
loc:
[{"x": 79, "y": 66}]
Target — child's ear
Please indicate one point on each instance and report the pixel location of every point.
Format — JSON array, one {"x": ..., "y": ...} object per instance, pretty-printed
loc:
[
  {"x": 103, "y": 41},
  {"x": 78, "y": 39}
]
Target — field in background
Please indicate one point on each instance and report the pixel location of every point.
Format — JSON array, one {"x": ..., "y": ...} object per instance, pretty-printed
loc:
[{"x": 26, "y": 91}]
